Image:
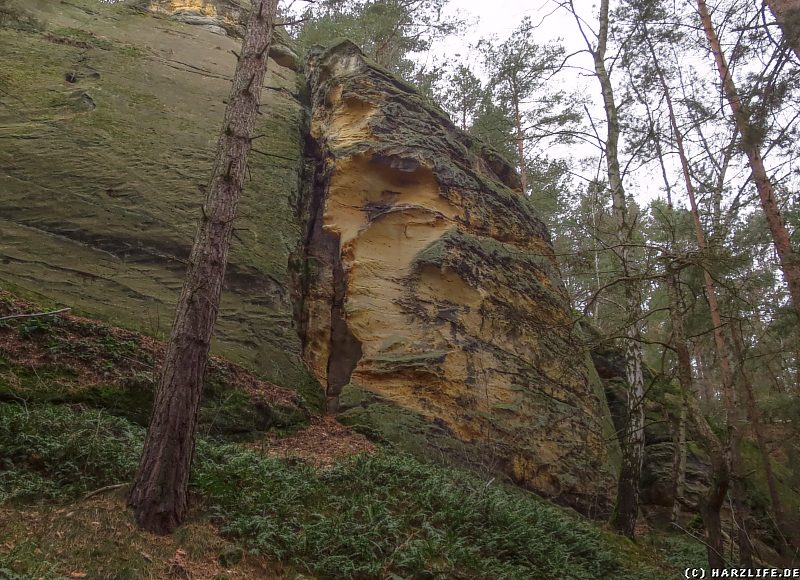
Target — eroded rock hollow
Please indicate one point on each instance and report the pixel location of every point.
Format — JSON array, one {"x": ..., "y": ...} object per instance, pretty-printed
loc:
[{"x": 431, "y": 284}]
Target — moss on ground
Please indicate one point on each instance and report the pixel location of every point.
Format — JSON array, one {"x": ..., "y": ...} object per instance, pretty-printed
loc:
[
  {"x": 378, "y": 515},
  {"x": 76, "y": 361}
]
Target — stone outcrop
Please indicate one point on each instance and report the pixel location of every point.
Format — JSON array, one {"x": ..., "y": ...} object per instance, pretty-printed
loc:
[
  {"x": 432, "y": 285},
  {"x": 380, "y": 247},
  {"x": 108, "y": 127}
]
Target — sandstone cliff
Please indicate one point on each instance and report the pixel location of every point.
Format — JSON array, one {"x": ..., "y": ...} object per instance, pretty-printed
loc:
[
  {"x": 433, "y": 285},
  {"x": 378, "y": 247},
  {"x": 108, "y": 122}
]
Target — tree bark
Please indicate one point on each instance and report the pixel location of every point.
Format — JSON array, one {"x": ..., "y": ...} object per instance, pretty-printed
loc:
[
  {"x": 520, "y": 139},
  {"x": 789, "y": 260},
  {"x": 159, "y": 496},
  {"x": 787, "y": 14},
  {"x": 733, "y": 415},
  {"x": 626, "y": 509}
]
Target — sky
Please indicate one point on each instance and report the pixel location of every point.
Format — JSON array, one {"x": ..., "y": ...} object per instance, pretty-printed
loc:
[{"x": 500, "y": 17}]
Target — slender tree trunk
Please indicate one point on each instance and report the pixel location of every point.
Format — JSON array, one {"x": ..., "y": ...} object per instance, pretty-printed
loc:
[
  {"x": 626, "y": 509},
  {"x": 520, "y": 139},
  {"x": 159, "y": 496},
  {"x": 789, "y": 260},
  {"x": 787, "y": 13},
  {"x": 729, "y": 396}
]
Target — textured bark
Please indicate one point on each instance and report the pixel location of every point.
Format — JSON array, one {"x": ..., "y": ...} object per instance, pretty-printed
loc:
[
  {"x": 626, "y": 509},
  {"x": 159, "y": 496},
  {"x": 787, "y": 13},
  {"x": 789, "y": 260}
]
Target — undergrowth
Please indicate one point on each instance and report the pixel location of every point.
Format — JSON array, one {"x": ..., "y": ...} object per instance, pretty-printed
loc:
[
  {"x": 57, "y": 453},
  {"x": 380, "y": 515},
  {"x": 383, "y": 514}
]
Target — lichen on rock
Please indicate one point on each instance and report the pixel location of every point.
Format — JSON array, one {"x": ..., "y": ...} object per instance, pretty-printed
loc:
[{"x": 433, "y": 285}]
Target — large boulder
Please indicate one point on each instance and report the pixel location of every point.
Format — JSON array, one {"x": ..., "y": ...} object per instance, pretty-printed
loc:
[
  {"x": 433, "y": 286},
  {"x": 378, "y": 250}
]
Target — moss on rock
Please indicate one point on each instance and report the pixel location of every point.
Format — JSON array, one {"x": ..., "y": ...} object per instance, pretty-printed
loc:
[{"x": 108, "y": 132}]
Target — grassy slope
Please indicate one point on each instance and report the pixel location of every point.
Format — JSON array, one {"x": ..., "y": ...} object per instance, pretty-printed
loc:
[
  {"x": 70, "y": 425},
  {"x": 103, "y": 176},
  {"x": 368, "y": 516}
]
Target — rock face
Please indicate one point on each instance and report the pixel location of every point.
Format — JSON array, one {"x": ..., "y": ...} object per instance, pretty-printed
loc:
[
  {"x": 227, "y": 17},
  {"x": 380, "y": 247},
  {"x": 661, "y": 412},
  {"x": 432, "y": 285},
  {"x": 108, "y": 126},
  {"x": 217, "y": 16}
]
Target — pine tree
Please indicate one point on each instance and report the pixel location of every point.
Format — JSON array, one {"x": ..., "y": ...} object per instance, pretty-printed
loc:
[{"x": 159, "y": 496}]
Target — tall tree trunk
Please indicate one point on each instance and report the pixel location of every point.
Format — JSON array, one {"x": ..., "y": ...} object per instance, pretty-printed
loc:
[
  {"x": 711, "y": 503},
  {"x": 732, "y": 410},
  {"x": 787, "y": 13},
  {"x": 626, "y": 509},
  {"x": 159, "y": 496},
  {"x": 789, "y": 260},
  {"x": 754, "y": 415},
  {"x": 520, "y": 139}
]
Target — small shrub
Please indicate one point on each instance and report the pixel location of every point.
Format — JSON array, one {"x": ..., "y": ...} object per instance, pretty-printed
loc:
[{"x": 31, "y": 327}]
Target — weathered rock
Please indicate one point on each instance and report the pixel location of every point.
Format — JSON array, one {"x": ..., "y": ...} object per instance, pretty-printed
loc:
[
  {"x": 429, "y": 287},
  {"x": 109, "y": 127},
  {"x": 657, "y": 475},
  {"x": 433, "y": 285},
  {"x": 218, "y": 16}
]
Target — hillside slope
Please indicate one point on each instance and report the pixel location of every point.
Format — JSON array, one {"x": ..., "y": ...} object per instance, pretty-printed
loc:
[{"x": 270, "y": 499}]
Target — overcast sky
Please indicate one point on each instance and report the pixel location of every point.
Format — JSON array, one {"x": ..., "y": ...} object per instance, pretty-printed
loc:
[{"x": 501, "y": 17}]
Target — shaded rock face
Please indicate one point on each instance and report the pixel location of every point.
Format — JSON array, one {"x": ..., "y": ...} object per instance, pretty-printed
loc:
[
  {"x": 109, "y": 130},
  {"x": 661, "y": 412},
  {"x": 431, "y": 284}
]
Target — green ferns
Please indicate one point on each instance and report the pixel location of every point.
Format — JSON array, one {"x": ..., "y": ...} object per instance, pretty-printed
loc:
[
  {"x": 56, "y": 453},
  {"x": 381, "y": 515},
  {"x": 388, "y": 515}
]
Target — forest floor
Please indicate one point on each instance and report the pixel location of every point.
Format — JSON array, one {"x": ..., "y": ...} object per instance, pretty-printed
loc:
[{"x": 276, "y": 491}]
